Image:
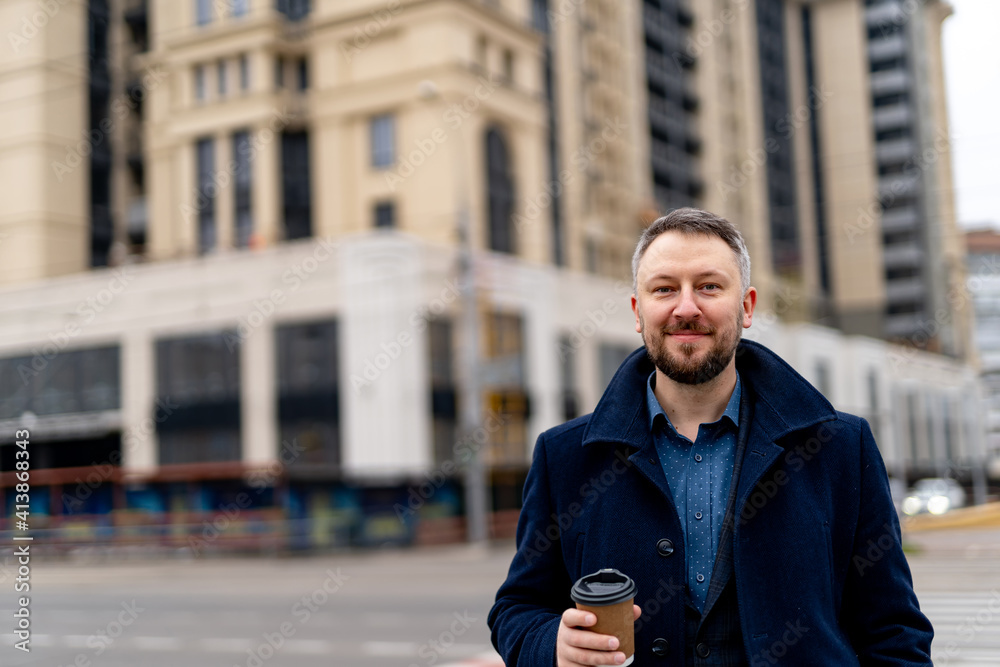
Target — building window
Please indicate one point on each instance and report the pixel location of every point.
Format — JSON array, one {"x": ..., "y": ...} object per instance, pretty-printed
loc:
[
  {"x": 308, "y": 401},
  {"x": 385, "y": 215},
  {"x": 205, "y": 203},
  {"x": 482, "y": 51},
  {"x": 240, "y": 7},
  {"x": 500, "y": 189},
  {"x": 294, "y": 10},
  {"x": 220, "y": 74},
  {"x": 508, "y": 66},
  {"x": 297, "y": 195},
  {"x": 504, "y": 384},
  {"x": 279, "y": 72},
  {"x": 199, "y": 376},
  {"x": 303, "y": 74},
  {"x": 243, "y": 180},
  {"x": 199, "y": 83},
  {"x": 444, "y": 411},
  {"x": 203, "y": 11},
  {"x": 383, "y": 137},
  {"x": 85, "y": 380},
  {"x": 244, "y": 72},
  {"x": 567, "y": 378}
]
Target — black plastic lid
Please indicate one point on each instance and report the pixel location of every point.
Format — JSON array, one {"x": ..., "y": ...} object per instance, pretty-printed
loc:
[{"x": 603, "y": 588}]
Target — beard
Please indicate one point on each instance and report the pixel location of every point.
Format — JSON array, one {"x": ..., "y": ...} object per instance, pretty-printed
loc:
[{"x": 683, "y": 367}]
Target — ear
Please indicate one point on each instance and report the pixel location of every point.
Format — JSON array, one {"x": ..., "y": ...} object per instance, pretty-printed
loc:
[
  {"x": 749, "y": 302},
  {"x": 635, "y": 310}
]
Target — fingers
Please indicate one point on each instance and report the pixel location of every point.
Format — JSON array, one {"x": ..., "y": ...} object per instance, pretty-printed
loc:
[
  {"x": 636, "y": 612},
  {"x": 575, "y": 647}
]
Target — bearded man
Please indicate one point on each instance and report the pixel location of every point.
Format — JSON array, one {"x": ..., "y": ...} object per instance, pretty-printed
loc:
[{"x": 743, "y": 505}]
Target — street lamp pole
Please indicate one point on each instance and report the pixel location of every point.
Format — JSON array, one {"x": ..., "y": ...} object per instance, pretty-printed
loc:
[{"x": 476, "y": 488}]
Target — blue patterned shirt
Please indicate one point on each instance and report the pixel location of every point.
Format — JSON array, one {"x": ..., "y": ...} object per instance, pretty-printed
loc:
[{"x": 699, "y": 474}]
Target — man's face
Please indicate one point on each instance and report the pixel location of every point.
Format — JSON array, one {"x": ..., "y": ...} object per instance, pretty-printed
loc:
[{"x": 689, "y": 306}]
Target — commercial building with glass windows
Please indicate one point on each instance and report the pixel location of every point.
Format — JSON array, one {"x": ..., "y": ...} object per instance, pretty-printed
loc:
[{"x": 230, "y": 267}]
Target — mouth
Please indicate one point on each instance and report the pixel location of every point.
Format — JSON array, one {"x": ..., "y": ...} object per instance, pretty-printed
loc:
[{"x": 688, "y": 336}]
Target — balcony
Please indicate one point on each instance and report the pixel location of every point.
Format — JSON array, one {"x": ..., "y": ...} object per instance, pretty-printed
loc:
[
  {"x": 904, "y": 326},
  {"x": 900, "y": 220},
  {"x": 883, "y": 14},
  {"x": 895, "y": 150},
  {"x": 903, "y": 256},
  {"x": 895, "y": 116},
  {"x": 891, "y": 188},
  {"x": 890, "y": 81},
  {"x": 887, "y": 48},
  {"x": 905, "y": 290}
]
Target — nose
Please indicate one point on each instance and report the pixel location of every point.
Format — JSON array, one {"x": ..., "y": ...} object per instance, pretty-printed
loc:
[{"x": 687, "y": 307}]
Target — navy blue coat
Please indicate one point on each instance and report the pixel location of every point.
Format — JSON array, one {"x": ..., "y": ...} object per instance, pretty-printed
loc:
[{"x": 820, "y": 574}]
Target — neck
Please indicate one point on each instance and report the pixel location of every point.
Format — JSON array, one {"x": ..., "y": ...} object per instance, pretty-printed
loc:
[{"x": 694, "y": 404}]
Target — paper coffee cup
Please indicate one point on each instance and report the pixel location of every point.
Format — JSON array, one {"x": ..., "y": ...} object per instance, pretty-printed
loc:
[{"x": 609, "y": 595}]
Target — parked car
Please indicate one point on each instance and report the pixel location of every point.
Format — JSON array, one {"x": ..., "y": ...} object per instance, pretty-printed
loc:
[{"x": 934, "y": 495}]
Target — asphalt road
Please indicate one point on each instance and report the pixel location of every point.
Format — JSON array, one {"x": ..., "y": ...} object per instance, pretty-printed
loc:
[{"x": 421, "y": 608}]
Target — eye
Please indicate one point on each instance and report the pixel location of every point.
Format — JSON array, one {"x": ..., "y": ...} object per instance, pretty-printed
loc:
[
  {"x": 662, "y": 290},
  {"x": 712, "y": 287}
]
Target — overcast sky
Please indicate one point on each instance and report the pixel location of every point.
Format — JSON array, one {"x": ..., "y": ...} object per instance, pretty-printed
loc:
[{"x": 972, "y": 69}]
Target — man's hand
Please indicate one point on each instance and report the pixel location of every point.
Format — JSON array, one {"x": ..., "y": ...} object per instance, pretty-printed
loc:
[{"x": 575, "y": 647}]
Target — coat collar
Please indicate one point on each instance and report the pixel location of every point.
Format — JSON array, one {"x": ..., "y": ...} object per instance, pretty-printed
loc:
[{"x": 783, "y": 401}]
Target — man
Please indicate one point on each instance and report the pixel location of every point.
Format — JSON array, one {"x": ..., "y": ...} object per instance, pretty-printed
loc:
[{"x": 755, "y": 519}]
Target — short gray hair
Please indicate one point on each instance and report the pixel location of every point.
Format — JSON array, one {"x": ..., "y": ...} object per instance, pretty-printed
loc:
[{"x": 694, "y": 221}]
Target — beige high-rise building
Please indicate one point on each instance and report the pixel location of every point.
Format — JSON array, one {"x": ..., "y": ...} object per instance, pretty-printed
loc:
[{"x": 232, "y": 245}]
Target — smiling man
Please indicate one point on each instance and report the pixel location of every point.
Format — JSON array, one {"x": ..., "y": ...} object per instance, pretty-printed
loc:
[{"x": 743, "y": 504}]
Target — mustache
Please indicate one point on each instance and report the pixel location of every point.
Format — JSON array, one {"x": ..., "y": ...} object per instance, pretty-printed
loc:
[{"x": 692, "y": 327}]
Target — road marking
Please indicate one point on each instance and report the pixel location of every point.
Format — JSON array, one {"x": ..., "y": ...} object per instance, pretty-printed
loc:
[
  {"x": 310, "y": 646},
  {"x": 226, "y": 645},
  {"x": 389, "y": 649},
  {"x": 157, "y": 643},
  {"x": 76, "y": 641},
  {"x": 484, "y": 659}
]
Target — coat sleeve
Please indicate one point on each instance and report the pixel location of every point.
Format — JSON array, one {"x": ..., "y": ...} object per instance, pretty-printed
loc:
[
  {"x": 881, "y": 614},
  {"x": 525, "y": 618}
]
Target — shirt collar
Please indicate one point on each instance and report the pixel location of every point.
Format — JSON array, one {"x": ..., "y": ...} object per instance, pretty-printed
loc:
[{"x": 732, "y": 411}]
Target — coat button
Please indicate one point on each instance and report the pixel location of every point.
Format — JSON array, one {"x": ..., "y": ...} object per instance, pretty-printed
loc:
[
  {"x": 702, "y": 650},
  {"x": 665, "y": 547},
  {"x": 661, "y": 647}
]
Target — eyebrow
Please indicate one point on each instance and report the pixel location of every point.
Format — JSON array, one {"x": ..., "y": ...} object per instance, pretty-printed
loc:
[{"x": 711, "y": 273}]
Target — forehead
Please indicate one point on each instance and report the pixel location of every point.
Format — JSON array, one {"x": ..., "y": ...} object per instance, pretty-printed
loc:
[{"x": 677, "y": 252}]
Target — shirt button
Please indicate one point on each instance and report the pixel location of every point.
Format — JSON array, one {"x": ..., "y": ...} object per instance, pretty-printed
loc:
[
  {"x": 702, "y": 650},
  {"x": 665, "y": 547},
  {"x": 700, "y": 578},
  {"x": 697, "y": 457},
  {"x": 697, "y": 515}
]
